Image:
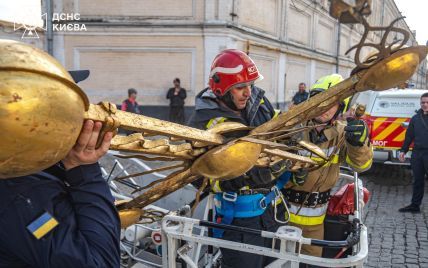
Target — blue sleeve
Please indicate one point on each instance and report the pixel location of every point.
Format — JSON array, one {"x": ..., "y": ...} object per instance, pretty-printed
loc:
[
  {"x": 410, "y": 135},
  {"x": 88, "y": 230},
  {"x": 98, "y": 224}
]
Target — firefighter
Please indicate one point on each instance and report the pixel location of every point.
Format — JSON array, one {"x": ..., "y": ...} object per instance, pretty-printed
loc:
[
  {"x": 243, "y": 201},
  {"x": 344, "y": 142}
]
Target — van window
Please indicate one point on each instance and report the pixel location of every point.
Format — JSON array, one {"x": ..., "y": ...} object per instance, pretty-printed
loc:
[
  {"x": 361, "y": 98},
  {"x": 395, "y": 107}
]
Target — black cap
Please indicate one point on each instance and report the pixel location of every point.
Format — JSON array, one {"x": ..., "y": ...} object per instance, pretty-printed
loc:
[{"x": 79, "y": 75}]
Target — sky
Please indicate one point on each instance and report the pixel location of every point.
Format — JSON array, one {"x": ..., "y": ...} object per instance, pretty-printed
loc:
[
  {"x": 21, "y": 12},
  {"x": 416, "y": 12}
]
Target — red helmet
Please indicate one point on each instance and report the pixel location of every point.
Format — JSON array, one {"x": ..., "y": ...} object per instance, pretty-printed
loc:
[{"x": 232, "y": 67}]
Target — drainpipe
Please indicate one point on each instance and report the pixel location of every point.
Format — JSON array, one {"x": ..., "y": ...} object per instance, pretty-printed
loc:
[
  {"x": 49, "y": 30},
  {"x": 247, "y": 47},
  {"x": 233, "y": 14},
  {"x": 383, "y": 13},
  {"x": 285, "y": 92},
  {"x": 339, "y": 27}
]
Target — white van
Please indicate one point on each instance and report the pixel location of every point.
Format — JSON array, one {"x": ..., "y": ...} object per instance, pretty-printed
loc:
[{"x": 387, "y": 115}]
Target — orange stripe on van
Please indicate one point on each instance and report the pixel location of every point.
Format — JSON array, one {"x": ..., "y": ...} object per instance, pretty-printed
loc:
[
  {"x": 401, "y": 136},
  {"x": 378, "y": 122},
  {"x": 391, "y": 128}
]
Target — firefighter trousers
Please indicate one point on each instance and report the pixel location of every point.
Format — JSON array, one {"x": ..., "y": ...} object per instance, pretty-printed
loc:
[
  {"x": 308, "y": 231},
  {"x": 311, "y": 231}
]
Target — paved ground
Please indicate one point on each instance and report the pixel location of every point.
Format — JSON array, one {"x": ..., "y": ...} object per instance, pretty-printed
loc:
[{"x": 395, "y": 239}]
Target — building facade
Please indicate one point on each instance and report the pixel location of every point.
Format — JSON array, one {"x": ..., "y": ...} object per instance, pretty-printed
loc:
[{"x": 145, "y": 44}]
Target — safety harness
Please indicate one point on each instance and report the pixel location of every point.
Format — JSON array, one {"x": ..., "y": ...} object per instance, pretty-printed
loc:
[{"x": 230, "y": 205}]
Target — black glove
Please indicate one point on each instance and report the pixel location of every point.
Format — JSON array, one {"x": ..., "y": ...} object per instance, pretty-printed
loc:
[
  {"x": 356, "y": 132},
  {"x": 299, "y": 177},
  {"x": 278, "y": 168}
]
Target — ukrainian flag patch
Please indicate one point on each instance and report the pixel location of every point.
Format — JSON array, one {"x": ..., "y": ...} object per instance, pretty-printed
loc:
[{"x": 42, "y": 225}]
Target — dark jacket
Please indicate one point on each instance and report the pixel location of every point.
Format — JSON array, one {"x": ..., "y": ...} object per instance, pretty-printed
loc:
[
  {"x": 417, "y": 132},
  {"x": 258, "y": 111},
  {"x": 88, "y": 230},
  {"x": 130, "y": 106},
  {"x": 300, "y": 97},
  {"x": 176, "y": 100}
]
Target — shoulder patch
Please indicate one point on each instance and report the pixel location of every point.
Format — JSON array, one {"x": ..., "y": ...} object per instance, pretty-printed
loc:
[{"x": 42, "y": 225}]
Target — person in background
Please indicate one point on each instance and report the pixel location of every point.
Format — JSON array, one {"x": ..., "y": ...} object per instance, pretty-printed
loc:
[
  {"x": 176, "y": 96},
  {"x": 130, "y": 104},
  {"x": 417, "y": 132},
  {"x": 301, "y": 95}
]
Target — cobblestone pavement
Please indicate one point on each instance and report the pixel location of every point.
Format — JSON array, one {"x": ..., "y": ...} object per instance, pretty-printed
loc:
[{"x": 395, "y": 239}]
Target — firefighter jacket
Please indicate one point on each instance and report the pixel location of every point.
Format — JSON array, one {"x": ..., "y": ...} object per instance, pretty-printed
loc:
[
  {"x": 259, "y": 110},
  {"x": 332, "y": 141},
  {"x": 309, "y": 217}
]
